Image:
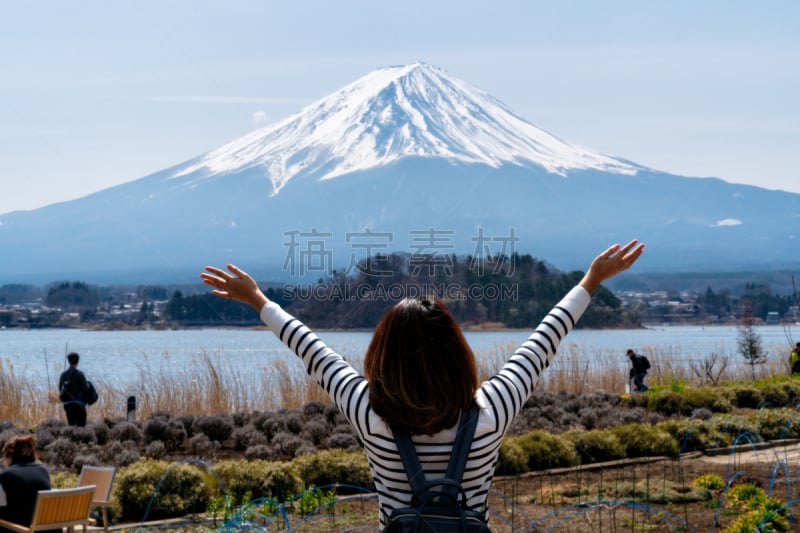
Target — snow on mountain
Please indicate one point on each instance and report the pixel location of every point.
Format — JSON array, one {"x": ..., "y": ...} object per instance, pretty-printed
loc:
[
  {"x": 411, "y": 154},
  {"x": 415, "y": 110}
]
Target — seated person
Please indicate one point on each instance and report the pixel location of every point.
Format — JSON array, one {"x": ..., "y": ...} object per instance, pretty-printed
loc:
[{"x": 22, "y": 478}]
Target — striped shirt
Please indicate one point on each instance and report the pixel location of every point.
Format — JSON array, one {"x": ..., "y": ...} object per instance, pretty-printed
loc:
[{"x": 500, "y": 399}]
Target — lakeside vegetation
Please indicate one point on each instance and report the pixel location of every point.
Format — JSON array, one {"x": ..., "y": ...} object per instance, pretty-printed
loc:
[
  {"x": 272, "y": 437},
  {"x": 297, "y": 456},
  {"x": 214, "y": 385}
]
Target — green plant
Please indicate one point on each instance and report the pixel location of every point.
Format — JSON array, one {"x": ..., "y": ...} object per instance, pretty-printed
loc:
[
  {"x": 729, "y": 427},
  {"x": 691, "y": 435},
  {"x": 331, "y": 467},
  {"x": 643, "y": 440},
  {"x": 545, "y": 450},
  {"x": 712, "y": 504},
  {"x": 512, "y": 459},
  {"x": 243, "y": 511},
  {"x": 716, "y": 399},
  {"x": 683, "y": 401},
  {"x": 259, "y": 478},
  {"x": 666, "y": 492},
  {"x": 774, "y": 395},
  {"x": 313, "y": 499},
  {"x": 709, "y": 481},
  {"x": 218, "y": 507},
  {"x": 676, "y": 385},
  {"x": 63, "y": 479},
  {"x": 792, "y": 388},
  {"x": 771, "y": 517},
  {"x": 746, "y": 396},
  {"x": 596, "y": 446},
  {"x": 669, "y": 403},
  {"x": 175, "y": 490},
  {"x": 776, "y": 424},
  {"x": 746, "y": 496}
]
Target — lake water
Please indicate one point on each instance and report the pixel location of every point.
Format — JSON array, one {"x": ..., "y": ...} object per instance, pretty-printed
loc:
[{"x": 117, "y": 357}]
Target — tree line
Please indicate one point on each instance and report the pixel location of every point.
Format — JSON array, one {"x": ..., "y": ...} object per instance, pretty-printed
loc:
[
  {"x": 508, "y": 291},
  {"x": 758, "y": 298}
]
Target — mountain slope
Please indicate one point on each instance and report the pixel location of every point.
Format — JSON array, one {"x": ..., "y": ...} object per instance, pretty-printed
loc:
[
  {"x": 426, "y": 163},
  {"x": 393, "y": 113}
]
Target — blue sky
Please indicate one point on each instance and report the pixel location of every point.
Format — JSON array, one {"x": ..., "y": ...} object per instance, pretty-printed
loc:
[{"x": 97, "y": 93}]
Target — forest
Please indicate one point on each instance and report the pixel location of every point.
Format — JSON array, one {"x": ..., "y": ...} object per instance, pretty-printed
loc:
[{"x": 495, "y": 292}]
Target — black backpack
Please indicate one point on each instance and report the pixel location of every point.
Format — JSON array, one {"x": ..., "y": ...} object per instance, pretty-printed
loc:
[
  {"x": 91, "y": 393},
  {"x": 443, "y": 510}
]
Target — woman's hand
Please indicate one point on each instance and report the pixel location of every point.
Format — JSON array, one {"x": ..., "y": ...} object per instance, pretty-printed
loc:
[
  {"x": 235, "y": 284},
  {"x": 610, "y": 263}
]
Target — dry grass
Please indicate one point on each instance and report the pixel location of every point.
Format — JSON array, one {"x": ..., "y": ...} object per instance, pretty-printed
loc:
[
  {"x": 576, "y": 371},
  {"x": 213, "y": 384},
  {"x": 209, "y": 384},
  {"x": 21, "y": 401}
]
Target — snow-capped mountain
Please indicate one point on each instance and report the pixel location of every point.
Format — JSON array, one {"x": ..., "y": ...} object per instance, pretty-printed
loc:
[
  {"x": 405, "y": 159},
  {"x": 394, "y": 113}
]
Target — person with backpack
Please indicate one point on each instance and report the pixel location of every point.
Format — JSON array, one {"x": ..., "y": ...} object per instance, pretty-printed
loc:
[
  {"x": 75, "y": 392},
  {"x": 639, "y": 367},
  {"x": 420, "y": 386}
]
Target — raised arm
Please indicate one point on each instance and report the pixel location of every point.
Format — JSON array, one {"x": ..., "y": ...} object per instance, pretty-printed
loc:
[
  {"x": 340, "y": 380},
  {"x": 507, "y": 392},
  {"x": 236, "y": 285},
  {"x": 608, "y": 264}
]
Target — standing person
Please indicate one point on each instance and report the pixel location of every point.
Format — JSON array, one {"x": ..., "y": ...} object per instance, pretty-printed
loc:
[
  {"x": 73, "y": 388},
  {"x": 21, "y": 480},
  {"x": 639, "y": 367},
  {"x": 794, "y": 360},
  {"x": 420, "y": 375}
]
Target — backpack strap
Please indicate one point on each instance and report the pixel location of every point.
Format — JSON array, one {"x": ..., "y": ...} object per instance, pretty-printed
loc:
[
  {"x": 458, "y": 457},
  {"x": 465, "y": 434},
  {"x": 66, "y": 385}
]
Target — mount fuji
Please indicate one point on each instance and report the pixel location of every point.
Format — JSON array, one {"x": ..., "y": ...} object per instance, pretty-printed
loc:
[{"x": 405, "y": 159}]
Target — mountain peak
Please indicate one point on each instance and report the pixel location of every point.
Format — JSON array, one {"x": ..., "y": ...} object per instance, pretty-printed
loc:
[
  {"x": 442, "y": 168},
  {"x": 415, "y": 110}
]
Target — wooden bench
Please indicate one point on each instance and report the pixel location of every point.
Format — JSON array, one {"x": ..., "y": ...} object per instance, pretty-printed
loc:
[
  {"x": 102, "y": 477},
  {"x": 58, "y": 508}
]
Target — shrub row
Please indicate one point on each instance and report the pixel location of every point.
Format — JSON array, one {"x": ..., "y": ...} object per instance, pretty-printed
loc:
[
  {"x": 780, "y": 392},
  {"x": 560, "y": 412},
  {"x": 283, "y": 435},
  {"x": 537, "y": 450},
  {"x": 278, "y": 436},
  {"x": 158, "y": 489}
]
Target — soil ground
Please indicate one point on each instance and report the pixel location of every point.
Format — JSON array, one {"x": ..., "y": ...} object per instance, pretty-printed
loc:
[{"x": 601, "y": 497}]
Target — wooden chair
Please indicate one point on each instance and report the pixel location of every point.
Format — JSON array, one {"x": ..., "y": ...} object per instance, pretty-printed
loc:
[
  {"x": 58, "y": 508},
  {"x": 102, "y": 477}
]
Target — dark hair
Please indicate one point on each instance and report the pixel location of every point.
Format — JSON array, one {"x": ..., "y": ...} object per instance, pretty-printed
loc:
[
  {"x": 631, "y": 352},
  {"x": 420, "y": 369},
  {"x": 73, "y": 358},
  {"x": 20, "y": 449}
]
